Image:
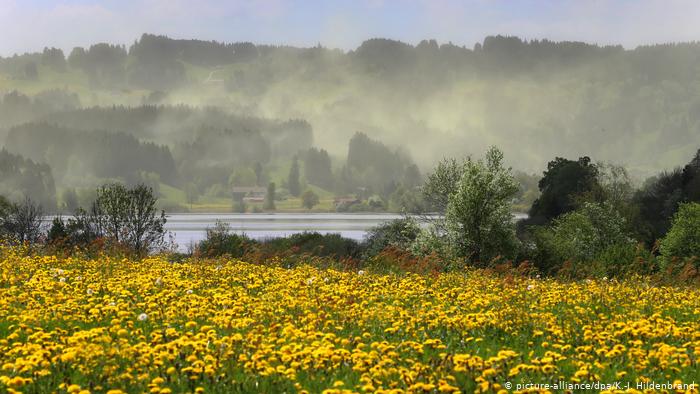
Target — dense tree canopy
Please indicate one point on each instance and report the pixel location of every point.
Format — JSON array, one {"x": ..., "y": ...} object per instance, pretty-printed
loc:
[
  {"x": 21, "y": 177},
  {"x": 562, "y": 182},
  {"x": 317, "y": 168},
  {"x": 659, "y": 198}
]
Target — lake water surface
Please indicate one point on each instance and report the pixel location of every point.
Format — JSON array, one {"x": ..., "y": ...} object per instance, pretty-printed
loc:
[{"x": 190, "y": 228}]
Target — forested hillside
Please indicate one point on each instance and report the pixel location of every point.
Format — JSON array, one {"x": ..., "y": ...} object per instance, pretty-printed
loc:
[{"x": 209, "y": 114}]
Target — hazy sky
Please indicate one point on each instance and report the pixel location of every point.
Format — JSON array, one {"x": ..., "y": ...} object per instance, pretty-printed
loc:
[{"x": 29, "y": 25}]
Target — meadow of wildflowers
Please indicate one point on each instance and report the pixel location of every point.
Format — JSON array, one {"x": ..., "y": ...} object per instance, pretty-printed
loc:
[{"x": 112, "y": 325}]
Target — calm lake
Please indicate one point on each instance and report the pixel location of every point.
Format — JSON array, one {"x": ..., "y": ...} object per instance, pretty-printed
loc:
[{"x": 189, "y": 229}]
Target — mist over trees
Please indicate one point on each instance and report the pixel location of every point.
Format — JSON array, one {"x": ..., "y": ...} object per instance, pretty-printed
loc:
[
  {"x": 367, "y": 123},
  {"x": 581, "y": 99},
  {"x": 21, "y": 177},
  {"x": 73, "y": 153}
]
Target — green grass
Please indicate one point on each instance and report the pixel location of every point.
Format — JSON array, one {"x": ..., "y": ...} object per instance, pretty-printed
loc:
[{"x": 172, "y": 197}]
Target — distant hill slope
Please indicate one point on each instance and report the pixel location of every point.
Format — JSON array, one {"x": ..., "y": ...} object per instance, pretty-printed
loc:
[{"x": 534, "y": 99}]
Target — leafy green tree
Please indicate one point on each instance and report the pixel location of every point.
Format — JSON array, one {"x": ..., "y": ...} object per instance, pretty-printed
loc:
[
  {"x": 317, "y": 168},
  {"x": 54, "y": 58},
  {"x": 293, "y": 183},
  {"x": 375, "y": 166},
  {"x": 441, "y": 184},
  {"x": 31, "y": 71},
  {"x": 411, "y": 177},
  {"x": 479, "y": 221},
  {"x": 57, "y": 232},
  {"x": 258, "y": 169},
  {"x": 146, "y": 227},
  {"x": 129, "y": 216},
  {"x": 659, "y": 198},
  {"x": 581, "y": 237},
  {"x": 399, "y": 233},
  {"x": 431, "y": 241},
  {"x": 616, "y": 185},
  {"x": 77, "y": 58},
  {"x": 375, "y": 202},
  {"x": 309, "y": 199},
  {"x": 270, "y": 197},
  {"x": 683, "y": 239},
  {"x": 242, "y": 177},
  {"x": 23, "y": 221},
  {"x": 222, "y": 241},
  {"x": 563, "y": 183},
  {"x": 21, "y": 177},
  {"x": 150, "y": 179},
  {"x": 112, "y": 207},
  {"x": 617, "y": 189},
  {"x": 406, "y": 200}
]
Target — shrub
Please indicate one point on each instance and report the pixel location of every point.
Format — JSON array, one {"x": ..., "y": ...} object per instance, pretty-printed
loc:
[
  {"x": 683, "y": 239},
  {"x": 593, "y": 233},
  {"x": 431, "y": 241},
  {"x": 220, "y": 241},
  {"x": 399, "y": 233},
  {"x": 313, "y": 243},
  {"x": 309, "y": 199},
  {"x": 397, "y": 261},
  {"x": 57, "y": 232},
  {"x": 375, "y": 202},
  {"x": 359, "y": 207},
  {"x": 22, "y": 222}
]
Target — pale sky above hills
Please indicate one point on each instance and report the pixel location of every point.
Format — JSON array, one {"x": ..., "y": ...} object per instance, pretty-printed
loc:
[{"x": 29, "y": 25}]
